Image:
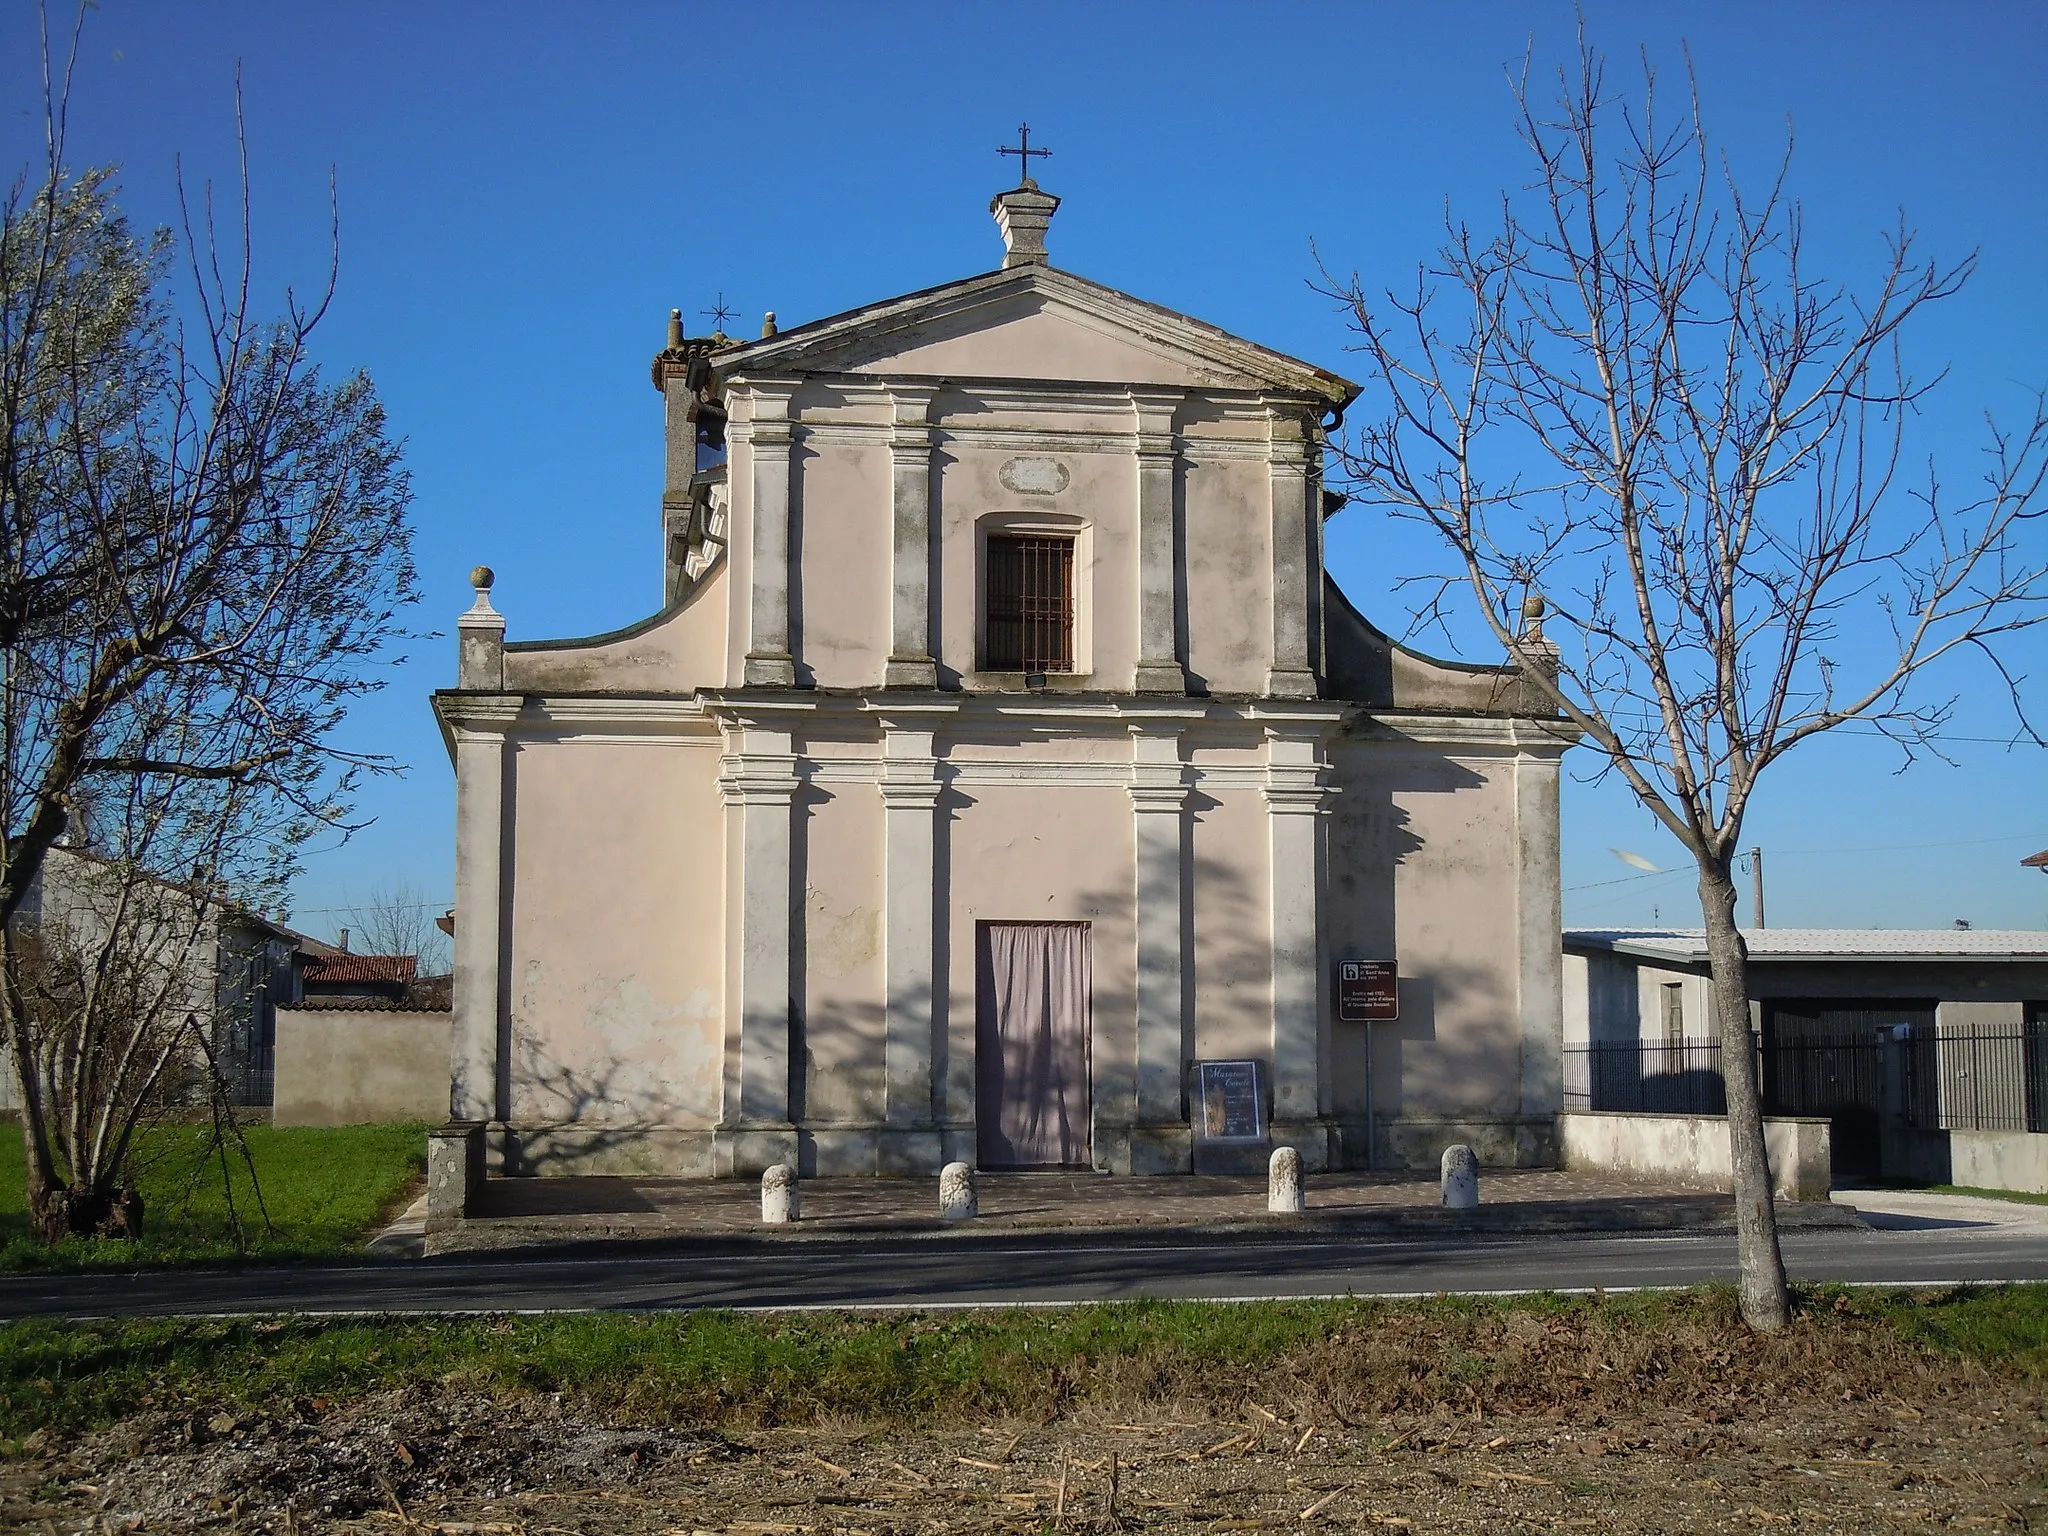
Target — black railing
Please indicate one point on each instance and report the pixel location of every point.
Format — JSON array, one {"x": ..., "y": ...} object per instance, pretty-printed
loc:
[
  {"x": 1978, "y": 1077},
  {"x": 1640, "y": 1077},
  {"x": 256, "y": 1083},
  {"x": 1953, "y": 1077}
]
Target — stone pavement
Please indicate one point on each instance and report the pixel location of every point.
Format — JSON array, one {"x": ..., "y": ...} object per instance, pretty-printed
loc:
[{"x": 542, "y": 1211}]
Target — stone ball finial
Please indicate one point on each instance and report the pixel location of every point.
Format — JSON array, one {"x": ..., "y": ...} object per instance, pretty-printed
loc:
[
  {"x": 481, "y": 578},
  {"x": 768, "y": 323},
  {"x": 1532, "y": 607},
  {"x": 675, "y": 327}
]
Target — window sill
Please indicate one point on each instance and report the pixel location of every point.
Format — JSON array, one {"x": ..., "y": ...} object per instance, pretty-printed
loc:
[{"x": 1013, "y": 682}]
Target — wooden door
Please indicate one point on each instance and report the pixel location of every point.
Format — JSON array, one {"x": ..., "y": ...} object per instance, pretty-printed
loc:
[{"x": 1031, "y": 1045}]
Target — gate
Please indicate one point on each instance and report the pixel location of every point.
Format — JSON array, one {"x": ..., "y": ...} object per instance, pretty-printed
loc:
[{"x": 1826, "y": 1057}]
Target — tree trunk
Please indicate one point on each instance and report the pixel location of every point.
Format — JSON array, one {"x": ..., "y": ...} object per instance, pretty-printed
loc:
[
  {"x": 64, "y": 1212},
  {"x": 1761, "y": 1267}
]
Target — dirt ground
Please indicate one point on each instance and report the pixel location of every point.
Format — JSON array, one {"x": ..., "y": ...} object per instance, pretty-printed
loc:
[{"x": 449, "y": 1462}]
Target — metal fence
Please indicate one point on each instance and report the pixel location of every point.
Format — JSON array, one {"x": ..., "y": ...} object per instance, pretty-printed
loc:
[
  {"x": 256, "y": 1083},
  {"x": 1639, "y": 1077},
  {"x": 1977, "y": 1077},
  {"x": 1953, "y": 1077}
]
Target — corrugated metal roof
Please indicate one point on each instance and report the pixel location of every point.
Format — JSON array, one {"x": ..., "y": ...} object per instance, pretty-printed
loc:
[{"x": 1690, "y": 944}]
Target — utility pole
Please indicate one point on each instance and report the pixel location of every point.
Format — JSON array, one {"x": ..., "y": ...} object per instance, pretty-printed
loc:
[{"x": 1756, "y": 882}]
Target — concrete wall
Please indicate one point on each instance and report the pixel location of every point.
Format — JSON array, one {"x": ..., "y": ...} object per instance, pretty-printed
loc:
[
  {"x": 1693, "y": 1149},
  {"x": 2016, "y": 1160},
  {"x": 360, "y": 1067}
]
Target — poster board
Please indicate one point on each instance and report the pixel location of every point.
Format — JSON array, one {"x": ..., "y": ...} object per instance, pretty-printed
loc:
[{"x": 1230, "y": 1101}]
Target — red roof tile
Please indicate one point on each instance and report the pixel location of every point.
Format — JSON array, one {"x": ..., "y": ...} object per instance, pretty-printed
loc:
[{"x": 347, "y": 968}]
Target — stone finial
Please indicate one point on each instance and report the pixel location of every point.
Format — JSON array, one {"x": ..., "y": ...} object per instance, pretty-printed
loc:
[
  {"x": 1283, "y": 1182},
  {"x": 1460, "y": 1178},
  {"x": 1532, "y": 650},
  {"x": 780, "y": 1201},
  {"x": 675, "y": 328},
  {"x": 480, "y": 637},
  {"x": 956, "y": 1193},
  {"x": 768, "y": 324},
  {"x": 1024, "y": 214}
]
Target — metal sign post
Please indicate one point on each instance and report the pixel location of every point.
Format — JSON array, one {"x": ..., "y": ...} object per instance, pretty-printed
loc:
[{"x": 1369, "y": 992}]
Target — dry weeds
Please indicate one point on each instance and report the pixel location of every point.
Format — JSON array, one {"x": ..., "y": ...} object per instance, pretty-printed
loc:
[{"x": 1417, "y": 1421}]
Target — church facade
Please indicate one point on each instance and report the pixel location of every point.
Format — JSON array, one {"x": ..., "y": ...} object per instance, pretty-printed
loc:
[{"x": 1004, "y": 780}]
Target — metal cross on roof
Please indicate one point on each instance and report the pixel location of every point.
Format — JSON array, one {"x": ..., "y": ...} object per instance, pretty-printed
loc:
[
  {"x": 718, "y": 314},
  {"x": 1023, "y": 152}
]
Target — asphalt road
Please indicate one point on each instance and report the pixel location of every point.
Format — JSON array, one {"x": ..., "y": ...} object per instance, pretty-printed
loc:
[{"x": 1023, "y": 1269}]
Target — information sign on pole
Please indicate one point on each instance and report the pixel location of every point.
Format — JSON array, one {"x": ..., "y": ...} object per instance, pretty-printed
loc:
[{"x": 1368, "y": 992}]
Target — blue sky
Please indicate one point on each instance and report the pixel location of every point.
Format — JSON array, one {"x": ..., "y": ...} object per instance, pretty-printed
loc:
[{"x": 526, "y": 190}]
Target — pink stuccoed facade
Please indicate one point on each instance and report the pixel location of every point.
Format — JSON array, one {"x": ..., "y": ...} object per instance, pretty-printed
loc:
[{"x": 751, "y": 882}]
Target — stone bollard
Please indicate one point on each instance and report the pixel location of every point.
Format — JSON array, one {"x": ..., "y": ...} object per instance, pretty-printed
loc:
[
  {"x": 780, "y": 1201},
  {"x": 956, "y": 1193},
  {"x": 1283, "y": 1182},
  {"x": 1460, "y": 1178},
  {"x": 455, "y": 1168}
]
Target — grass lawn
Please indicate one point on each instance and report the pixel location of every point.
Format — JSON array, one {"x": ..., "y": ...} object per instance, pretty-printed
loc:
[
  {"x": 2024, "y": 1197},
  {"x": 937, "y": 1369},
  {"x": 325, "y": 1190}
]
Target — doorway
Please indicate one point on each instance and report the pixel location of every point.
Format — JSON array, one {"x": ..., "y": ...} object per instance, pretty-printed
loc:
[{"x": 1031, "y": 1102}]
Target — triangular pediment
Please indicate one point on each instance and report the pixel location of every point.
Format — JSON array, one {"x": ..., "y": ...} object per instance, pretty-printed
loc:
[{"x": 1031, "y": 322}]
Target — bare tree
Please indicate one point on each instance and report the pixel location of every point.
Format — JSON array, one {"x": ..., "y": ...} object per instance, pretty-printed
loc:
[
  {"x": 397, "y": 919},
  {"x": 203, "y": 550},
  {"x": 1629, "y": 404}
]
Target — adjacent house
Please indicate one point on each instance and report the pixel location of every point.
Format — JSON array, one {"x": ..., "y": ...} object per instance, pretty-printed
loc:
[
  {"x": 232, "y": 966},
  {"x": 1942, "y": 1029},
  {"x": 1004, "y": 780}
]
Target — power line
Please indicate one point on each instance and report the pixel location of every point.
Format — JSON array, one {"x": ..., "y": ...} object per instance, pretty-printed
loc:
[
  {"x": 375, "y": 906},
  {"x": 1968, "y": 842}
]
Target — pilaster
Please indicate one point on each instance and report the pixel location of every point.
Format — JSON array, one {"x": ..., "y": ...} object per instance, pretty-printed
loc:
[
  {"x": 1539, "y": 911},
  {"x": 1159, "y": 667},
  {"x": 1159, "y": 798},
  {"x": 1297, "y": 545},
  {"x": 479, "y": 1087},
  {"x": 770, "y": 434},
  {"x": 914, "y": 913},
  {"x": 910, "y": 662},
  {"x": 1297, "y": 797},
  {"x": 758, "y": 784}
]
